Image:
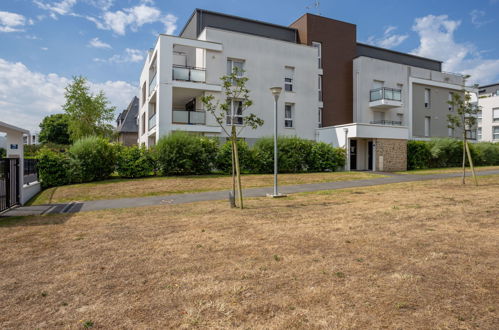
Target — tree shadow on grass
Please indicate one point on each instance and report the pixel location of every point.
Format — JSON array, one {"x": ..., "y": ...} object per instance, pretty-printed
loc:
[{"x": 39, "y": 220}]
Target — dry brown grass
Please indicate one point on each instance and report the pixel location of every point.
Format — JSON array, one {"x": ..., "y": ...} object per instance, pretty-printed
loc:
[
  {"x": 449, "y": 170},
  {"x": 113, "y": 189},
  {"x": 404, "y": 256}
]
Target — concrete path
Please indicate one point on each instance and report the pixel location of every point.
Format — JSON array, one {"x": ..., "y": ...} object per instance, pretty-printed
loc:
[{"x": 223, "y": 195}]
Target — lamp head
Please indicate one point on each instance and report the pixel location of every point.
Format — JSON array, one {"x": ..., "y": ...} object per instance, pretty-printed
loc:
[{"x": 276, "y": 91}]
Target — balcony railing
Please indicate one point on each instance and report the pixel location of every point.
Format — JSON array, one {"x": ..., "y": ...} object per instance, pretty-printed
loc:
[
  {"x": 182, "y": 116},
  {"x": 385, "y": 93},
  {"x": 186, "y": 73},
  {"x": 387, "y": 122},
  {"x": 152, "y": 122},
  {"x": 153, "y": 83}
]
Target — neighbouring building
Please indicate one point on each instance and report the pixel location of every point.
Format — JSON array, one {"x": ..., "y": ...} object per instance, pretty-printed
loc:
[
  {"x": 31, "y": 138},
  {"x": 336, "y": 90},
  {"x": 127, "y": 124},
  {"x": 488, "y": 118}
]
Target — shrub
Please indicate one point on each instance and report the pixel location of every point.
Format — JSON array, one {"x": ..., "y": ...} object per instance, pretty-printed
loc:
[
  {"x": 294, "y": 155},
  {"x": 224, "y": 157},
  {"x": 486, "y": 153},
  {"x": 53, "y": 168},
  {"x": 134, "y": 162},
  {"x": 181, "y": 153},
  {"x": 325, "y": 157},
  {"x": 93, "y": 159},
  {"x": 3, "y": 153},
  {"x": 446, "y": 152},
  {"x": 418, "y": 155}
]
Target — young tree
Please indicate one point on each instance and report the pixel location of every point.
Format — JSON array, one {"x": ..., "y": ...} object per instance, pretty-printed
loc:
[
  {"x": 88, "y": 114},
  {"x": 464, "y": 117},
  {"x": 232, "y": 113},
  {"x": 55, "y": 129}
]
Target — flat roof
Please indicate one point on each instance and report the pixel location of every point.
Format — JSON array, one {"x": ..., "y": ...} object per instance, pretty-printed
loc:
[
  {"x": 12, "y": 127},
  {"x": 398, "y": 53}
]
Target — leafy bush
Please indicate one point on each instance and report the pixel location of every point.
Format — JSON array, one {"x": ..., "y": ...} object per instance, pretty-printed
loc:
[
  {"x": 53, "y": 168},
  {"x": 94, "y": 158},
  {"x": 294, "y": 155},
  {"x": 134, "y": 162},
  {"x": 418, "y": 155},
  {"x": 223, "y": 161},
  {"x": 487, "y": 153},
  {"x": 446, "y": 152},
  {"x": 181, "y": 153},
  {"x": 325, "y": 157},
  {"x": 3, "y": 153}
]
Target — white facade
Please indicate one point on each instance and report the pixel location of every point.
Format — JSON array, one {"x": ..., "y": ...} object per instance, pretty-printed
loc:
[
  {"x": 488, "y": 120},
  {"x": 181, "y": 70}
]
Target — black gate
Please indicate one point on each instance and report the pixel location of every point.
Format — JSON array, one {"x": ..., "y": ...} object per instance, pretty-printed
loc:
[{"x": 9, "y": 183}]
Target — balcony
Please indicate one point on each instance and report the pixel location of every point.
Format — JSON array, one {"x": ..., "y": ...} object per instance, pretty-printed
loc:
[
  {"x": 186, "y": 73},
  {"x": 385, "y": 98},
  {"x": 386, "y": 122},
  {"x": 184, "y": 117},
  {"x": 153, "y": 83},
  {"x": 152, "y": 122}
]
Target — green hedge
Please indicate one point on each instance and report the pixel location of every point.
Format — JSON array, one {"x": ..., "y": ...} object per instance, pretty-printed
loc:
[
  {"x": 448, "y": 152},
  {"x": 3, "y": 152},
  {"x": 134, "y": 162},
  {"x": 94, "y": 159},
  {"x": 53, "y": 168},
  {"x": 223, "y": 161},
  {"x": 181, "y": 153}
]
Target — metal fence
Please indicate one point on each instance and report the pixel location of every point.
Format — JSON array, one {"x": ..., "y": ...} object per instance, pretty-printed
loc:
[
  {"x": 9, "y": 183},
  {"x": 30, "y": 171}
]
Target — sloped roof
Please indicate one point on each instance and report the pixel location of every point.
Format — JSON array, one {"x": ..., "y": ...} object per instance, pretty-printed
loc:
[{"x": 127, "y": 119}]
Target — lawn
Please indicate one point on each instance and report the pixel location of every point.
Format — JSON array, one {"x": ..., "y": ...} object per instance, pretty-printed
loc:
[
  {"x": 419, "y": 255},
  {"x": 448, "y": 170},
  {"x": 121, "y": 188}
]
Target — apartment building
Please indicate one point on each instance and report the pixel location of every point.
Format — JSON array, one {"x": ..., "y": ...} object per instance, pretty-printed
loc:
[
  {"x": 368, "y": 99},
  {"x": 488, "y": 118}
]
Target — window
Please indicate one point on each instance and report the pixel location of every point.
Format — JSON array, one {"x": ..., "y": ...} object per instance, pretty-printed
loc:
[
  {"x": 495, "y": 132},
  {"x": 450, "y": 130},
  {"x": 143, "y": 124},
  {"x": 427, "y": 98},
  {"x": 288, "y": 115},
  {"x": 479, "y": 134},
  {"x": 235, "y": 64},
  {"x": 288, "y": 78},
  {"x": 236, "y": 111},
  {"x": 320, "y": 88},
  {"x": 450, "y": 100},
  {"x": 400, "y": 118},
  {"x": 495, "y": 115},
  {"x": 427, "y": 121},
  {"x": 144, "y": 93},
  {"x": 319, "y": 119},
  {"x": 479, "y": 118},
  {"x": 318, "y": 45}
]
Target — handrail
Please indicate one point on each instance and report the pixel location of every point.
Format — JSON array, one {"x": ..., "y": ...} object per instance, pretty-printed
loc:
[
  {"x": 385, "y": 93},
  {"x": 386, "y": 122}
]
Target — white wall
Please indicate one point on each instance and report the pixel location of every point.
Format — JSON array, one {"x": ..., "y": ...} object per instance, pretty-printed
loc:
[{"x": 487, "y": 104}]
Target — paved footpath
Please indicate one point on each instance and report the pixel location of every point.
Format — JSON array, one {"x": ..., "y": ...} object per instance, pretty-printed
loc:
[{"x": 221, "y": 195}]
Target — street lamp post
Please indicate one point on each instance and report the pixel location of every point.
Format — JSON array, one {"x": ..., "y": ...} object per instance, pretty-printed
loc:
[{"x": 276, "y": 91}]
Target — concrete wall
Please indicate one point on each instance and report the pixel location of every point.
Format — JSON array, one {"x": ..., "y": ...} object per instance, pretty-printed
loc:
[{"x": 29, "y": 191}]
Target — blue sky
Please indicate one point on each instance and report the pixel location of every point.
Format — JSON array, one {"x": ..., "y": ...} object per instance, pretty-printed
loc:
[{"x": 46, "y": 42}]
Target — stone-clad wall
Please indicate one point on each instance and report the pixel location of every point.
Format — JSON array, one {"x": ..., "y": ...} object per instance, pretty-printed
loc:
[{"x": 391, "y": 155}]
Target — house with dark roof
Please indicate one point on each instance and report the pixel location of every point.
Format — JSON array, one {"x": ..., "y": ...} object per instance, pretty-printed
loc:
[{"x": 126, "y": 124}]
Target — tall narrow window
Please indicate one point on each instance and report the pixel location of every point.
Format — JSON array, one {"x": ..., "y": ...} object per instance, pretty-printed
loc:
[
  {"x": 320, "y": 88},
  {"x": 479, "y": 118},
  {"x": 427, "y": 122},
  {"x": 289, "y": 78},
  {"x": 400, "y": 118},
  {"x": 319, "y": 119},
  {"x": 144, "y": 93},
  {"x": 288, "y": 115},
  {"x": 450, "y": 131},
  {"x": 236, "y": 111},
  {"x": 495, "y": 115},
  {"x": 318, "y": 45},
  {"x": 427, "y": 98},
  {"x": 479, "y": 133},
  {"x": 235, "y": 64},
  {"x": 495, "y": 132},
  {"x": 450, "y": 100}
]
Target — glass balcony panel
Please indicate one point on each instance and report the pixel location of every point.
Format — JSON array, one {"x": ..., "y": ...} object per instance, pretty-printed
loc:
[
  {"x": 152, "y": 122},
  {"x": 197, "y": 118},
  {"x": 198, "y": 75},
  {"x": 376, "y": 94},
  {"x": 180, "y": 73},
  {"x": 180, "y": 116}
]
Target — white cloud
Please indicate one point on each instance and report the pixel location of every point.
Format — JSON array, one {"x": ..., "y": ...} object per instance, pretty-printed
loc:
[
  {"x": 130, "y": 56},
  {"x": 11, "y": 22},
  {"x": 96, "y": 43},
  {"x": 63, "y": 7},
  {"x": 389, "y": 38},
  {"x": 44, "y": 48},
  {"x": 477, "y": 18},
  {"x": 436, "y": 35},
  {"x": 26, "y": 96},
  {"x": 134, "y": 18}
]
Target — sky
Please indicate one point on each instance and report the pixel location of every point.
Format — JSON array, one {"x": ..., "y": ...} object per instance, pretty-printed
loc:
[{"x": 44, "y": 43}]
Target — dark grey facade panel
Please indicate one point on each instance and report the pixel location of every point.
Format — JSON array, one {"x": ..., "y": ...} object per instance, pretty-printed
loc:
[
  {"x": 129, "y": 117},
  {"x": 488, "y": 89},
  {"x": 202, "y": 19},
  {"x": 397, "y": 57}
]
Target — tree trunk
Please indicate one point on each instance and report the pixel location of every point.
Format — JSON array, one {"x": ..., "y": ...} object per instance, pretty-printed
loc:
[
  {"x": 233, "y": 201},
  {"x": 238, "y": 169},
  {"x": 471, "y": 163}
]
